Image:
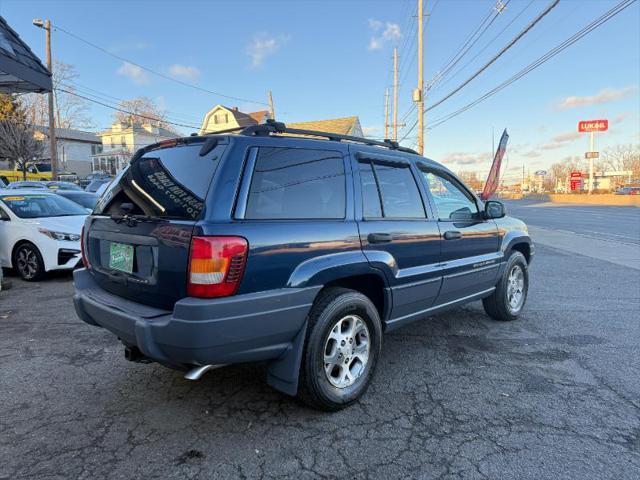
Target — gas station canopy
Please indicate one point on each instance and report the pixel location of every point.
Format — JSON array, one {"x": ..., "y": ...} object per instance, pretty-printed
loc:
[{"x": 20, "y": 70}]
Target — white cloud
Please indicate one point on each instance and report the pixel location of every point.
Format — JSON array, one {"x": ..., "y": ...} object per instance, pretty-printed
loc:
[
  {"x": 604, "y": 96},
  {"x": 463, "y": 158},
  {"x": 383, "y": 33},
  {"x": 184, "y": 71},
  {"x": 561, "y": 140},
  {"x": 371, "y": 131},
  {"x": 264, "y": 45},
  {"x": 135, "y": 73}
]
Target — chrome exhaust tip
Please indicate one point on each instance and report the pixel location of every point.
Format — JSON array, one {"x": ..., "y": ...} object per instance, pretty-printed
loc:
[{"x": 196, "y": 372}]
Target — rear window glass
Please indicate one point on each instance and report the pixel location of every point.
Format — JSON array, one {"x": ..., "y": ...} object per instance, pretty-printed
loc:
[
  {"x": 170, "y": 182},
  {"x": 291, "y": 183}
]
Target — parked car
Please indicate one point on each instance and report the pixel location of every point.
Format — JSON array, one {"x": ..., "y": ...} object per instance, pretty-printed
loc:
[
  {"x": 58, "y": 185},
  {"x": 628, "y": 191},
  {"x": 298, "y": 251},
  {"x": 87, "y": 200},
  {"x": 27, "y": 184},
  {"x": 102, "y": 188},
  {"x": 94, "y": 176},
  {"x": 95, "y": 185},
  {"x": 39, "y": 232}
]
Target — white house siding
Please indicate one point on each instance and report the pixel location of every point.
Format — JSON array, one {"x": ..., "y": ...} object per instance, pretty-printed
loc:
[{"x": 75, "y": 157}]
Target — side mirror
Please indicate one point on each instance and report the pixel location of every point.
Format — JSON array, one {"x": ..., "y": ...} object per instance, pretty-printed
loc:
[{"x": 494, "y": 209}]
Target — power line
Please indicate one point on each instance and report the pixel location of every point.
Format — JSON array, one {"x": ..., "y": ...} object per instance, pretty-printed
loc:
[
  {"x": 467, "y": 45},
  {"x": 541, "y": 60},
  {"x": 154, "y": 72},
  {"x": 108, "y": 98},
  {"x": 487, "y": 45},
  {"x": 535, "y": 64},
  {"x": 526, "y": 30},
  {"x": 124, "y": 111}
]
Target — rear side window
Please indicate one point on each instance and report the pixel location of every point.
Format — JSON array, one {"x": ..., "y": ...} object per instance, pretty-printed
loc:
[
  {"x": 295, "y": 183},
  {"x": 170, "y": 182},
  {"x": 389, "y": 191}
]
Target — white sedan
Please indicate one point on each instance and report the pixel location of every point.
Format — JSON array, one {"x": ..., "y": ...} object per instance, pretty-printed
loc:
[{"x": 39, "y": 232}]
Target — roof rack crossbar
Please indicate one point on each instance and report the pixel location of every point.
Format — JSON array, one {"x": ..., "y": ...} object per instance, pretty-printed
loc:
[{"x": 265, "y": 129}]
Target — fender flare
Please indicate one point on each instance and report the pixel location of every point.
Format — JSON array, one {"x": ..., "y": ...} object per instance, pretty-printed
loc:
[{"x": 284, "y": 372}]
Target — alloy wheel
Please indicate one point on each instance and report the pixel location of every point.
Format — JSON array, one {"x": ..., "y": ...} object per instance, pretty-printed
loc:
[
  {"x": 515, "y": 288},
  {"x": 346, "y": 351},
  {"x": 27, "y": 262}
]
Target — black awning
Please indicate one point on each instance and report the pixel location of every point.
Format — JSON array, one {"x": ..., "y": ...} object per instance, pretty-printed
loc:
[{"x": 20, "y": 70}]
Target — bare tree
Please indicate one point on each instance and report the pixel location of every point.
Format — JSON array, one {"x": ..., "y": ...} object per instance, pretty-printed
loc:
[
  {"x": 71, "y": 111},
  {"x": 622, "y": 158},
  {"x": 140, "y": 110},
  {"x": 17, "y": 140}
]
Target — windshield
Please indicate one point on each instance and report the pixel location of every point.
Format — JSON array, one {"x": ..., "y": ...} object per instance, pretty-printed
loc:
[
  {"x": 43, "y": 167},
  {"x": 27, "y": 185},
  {"x": 38, "y": 206},
  {"x": 63, "y": 186},
  {"x": 87, "y": 200}
]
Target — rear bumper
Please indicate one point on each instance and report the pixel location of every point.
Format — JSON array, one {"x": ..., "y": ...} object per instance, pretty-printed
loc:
[{"x": 242, "y": 328}]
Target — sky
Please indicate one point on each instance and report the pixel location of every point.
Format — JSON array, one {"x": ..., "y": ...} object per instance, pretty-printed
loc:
[{"x": 332, "y": 58}]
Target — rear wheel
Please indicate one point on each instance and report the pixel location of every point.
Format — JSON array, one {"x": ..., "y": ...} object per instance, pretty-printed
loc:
[
  {"x": 508, "y": 299},
  {"x": 344, "y": 338},
  {"x": 28, "y": 262}
]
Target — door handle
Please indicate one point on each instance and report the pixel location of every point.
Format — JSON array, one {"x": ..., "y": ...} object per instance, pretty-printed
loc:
[
  {"x": 452, "y": 235},
  {"x": 379, "y": 237}
]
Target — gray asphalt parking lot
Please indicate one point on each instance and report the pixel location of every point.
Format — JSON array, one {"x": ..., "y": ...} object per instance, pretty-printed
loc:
[{"x": 553, "y": 395}]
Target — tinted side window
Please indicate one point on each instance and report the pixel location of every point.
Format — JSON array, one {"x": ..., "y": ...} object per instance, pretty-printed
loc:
[
  {"x": 451, "y": 201},
  {"x": 370, "y": 197},
  {"x": 290, "y": 183},
  {"x": 395, "y": 187}
]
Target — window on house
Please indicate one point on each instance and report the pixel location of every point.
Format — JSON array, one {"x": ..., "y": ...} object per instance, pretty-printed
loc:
[
  {"x": 292, "y": 183},
  {"x": 123, "y": 141},
  {"x": 226, "y": 118},
  {"x": 389, "y": 191}
]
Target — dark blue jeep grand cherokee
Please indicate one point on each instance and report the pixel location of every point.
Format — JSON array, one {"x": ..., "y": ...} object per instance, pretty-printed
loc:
[{"x": 293, "y": 247}]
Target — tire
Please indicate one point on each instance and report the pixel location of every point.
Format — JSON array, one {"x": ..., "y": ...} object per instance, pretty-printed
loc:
[
  {"x": 498, "y": 305},
  {"x": 28, "y": 262},
  {"x": 339, "y": 314}
]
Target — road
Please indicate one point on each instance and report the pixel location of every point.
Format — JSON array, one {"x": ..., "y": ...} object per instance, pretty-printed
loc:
[
  {"x": 619, "y": 224},
  {"x": 555, "y": 394}
]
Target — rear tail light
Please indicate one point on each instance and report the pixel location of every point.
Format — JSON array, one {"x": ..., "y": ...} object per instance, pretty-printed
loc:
[
  {"x": 83, "y": 249},
  {"x": 216, "y": 265}
]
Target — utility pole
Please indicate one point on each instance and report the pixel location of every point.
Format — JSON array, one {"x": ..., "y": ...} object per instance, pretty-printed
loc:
[
  {"x": 386, "y": 114},
  {"x": 420, "y": 90},
  {"x": 272, "y": 110},
  {"x": 395, "y": 94},
  {"x": 591, "y": 163},
  {"x": 53, "y": 151}
]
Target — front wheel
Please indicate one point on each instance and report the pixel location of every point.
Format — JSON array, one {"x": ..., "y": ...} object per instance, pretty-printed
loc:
[
  {"x": 344, "y": 339},
  {"x": 508, "y": 299},
  {"x": 28, "y": 262}
]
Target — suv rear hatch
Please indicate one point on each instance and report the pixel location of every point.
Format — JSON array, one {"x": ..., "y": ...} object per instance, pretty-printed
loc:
[{"x": 137, "y": 240}]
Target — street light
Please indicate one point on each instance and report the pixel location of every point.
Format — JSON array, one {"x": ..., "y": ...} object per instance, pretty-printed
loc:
[{"x": 46, "y": 25}]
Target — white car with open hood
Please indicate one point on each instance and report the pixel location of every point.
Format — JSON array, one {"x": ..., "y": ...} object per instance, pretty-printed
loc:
[{"x": 39, "y": 232}]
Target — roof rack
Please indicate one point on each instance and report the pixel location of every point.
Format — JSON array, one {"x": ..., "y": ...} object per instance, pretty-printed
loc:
[{"x": 271, "y": 126}]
